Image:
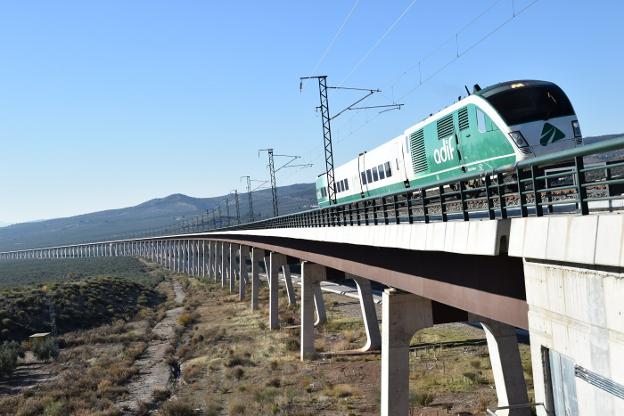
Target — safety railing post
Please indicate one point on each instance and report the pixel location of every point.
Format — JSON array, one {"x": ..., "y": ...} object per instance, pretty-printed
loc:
[
  {"x": 410, "y": 212},
  {"x": 462, "y": 197},
  {"x": 488, "y": 196},
  {"x": 397, "y": 218},
  {"x": 521, "y": 194},
  {"x": 385, "y": 210},
  {"x": 581, "y": 191},
  {"x": 502, "y": 200},
  {"x": 423, "y": 202},
  {"x": 537, "y": 196},
  {"x": 442, "y": 203}
]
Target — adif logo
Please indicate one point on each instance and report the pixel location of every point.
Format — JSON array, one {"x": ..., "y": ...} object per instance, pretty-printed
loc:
[
  {"x": 550, "y": 134},
  {"x": 444, "y": 153}
]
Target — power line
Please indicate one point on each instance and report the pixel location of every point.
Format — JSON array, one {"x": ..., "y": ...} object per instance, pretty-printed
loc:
[
  {"x": 515, "y": 13},
  {"x": 378, "y": 42},
  {"x": 460, "y": 54},
  {"x": 338, "y": 32}
]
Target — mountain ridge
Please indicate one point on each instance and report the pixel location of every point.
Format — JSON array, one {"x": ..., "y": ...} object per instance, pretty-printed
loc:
[{"x": 170, "y": 210}]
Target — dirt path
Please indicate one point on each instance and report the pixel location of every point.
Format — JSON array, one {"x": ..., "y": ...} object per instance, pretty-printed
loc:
[{"x": 155, "y": 372}]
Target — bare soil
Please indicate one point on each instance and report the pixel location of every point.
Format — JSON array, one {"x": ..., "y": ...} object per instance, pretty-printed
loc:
[{"x": 155, "y": 371}]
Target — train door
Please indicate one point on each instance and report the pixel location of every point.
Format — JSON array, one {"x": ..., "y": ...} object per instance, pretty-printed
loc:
[
  {"x": 362, "y": 174},
  {"x": 400, "y": 161}
]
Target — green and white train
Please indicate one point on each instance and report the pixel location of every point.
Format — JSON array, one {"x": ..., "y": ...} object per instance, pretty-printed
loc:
[{"x": 492, "y": 127}]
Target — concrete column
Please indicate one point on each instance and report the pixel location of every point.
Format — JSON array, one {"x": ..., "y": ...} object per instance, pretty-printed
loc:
[
  {"x": 178, "y": 255},
  {"x": 211, "y": 253},
  {"x": 292, "y": 298},
  {"x": 311, "y": 277},
  {"x": 243, "y": 274},
  {"x": 231, "y": 266},
  {"x": 256, "y": 256},
  {"x": 506, "y": 364},
  {"x": 403, "y": 314},
  {"x": 224, "y": 263},
  {"x": 203, "y": 259},
  {"x": 369, "y": 313},
  {"x": 276, "y": 261},
  {"x": 188, "y": 257}
]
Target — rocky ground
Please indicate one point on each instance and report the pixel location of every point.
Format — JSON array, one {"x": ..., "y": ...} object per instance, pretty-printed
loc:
[{"x": 204, "y": 352}]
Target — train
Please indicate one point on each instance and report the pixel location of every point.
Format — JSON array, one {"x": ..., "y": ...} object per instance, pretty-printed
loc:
[{"x": 491, "y": 127}]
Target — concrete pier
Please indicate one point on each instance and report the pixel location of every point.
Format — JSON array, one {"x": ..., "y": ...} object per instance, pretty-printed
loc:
[
  {"x": 276, "y": 262},
  {"x": 243, "y": 273},
  {"x": 232, "y": 266},
  {"x": 311, "y": 277},
  {"x": 369, "y": 313},
  {"x": 257, "y": 255},
  {"x": 511, "y": 389},
  {"x": 290, "y": 291},
  {"x": 403, "y": 314}
]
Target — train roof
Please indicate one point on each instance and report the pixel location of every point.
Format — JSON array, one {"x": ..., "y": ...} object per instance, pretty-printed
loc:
[{"x": 508, "y": 85}]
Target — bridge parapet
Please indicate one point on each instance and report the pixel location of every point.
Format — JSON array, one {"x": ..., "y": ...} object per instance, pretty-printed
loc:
[{"x": 487, "y": 238}]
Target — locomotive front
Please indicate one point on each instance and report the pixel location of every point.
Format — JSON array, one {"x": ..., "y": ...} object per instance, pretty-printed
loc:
[{"x": 539, "y": 115}]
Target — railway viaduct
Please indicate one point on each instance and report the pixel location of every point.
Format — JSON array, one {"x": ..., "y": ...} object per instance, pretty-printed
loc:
[{"x": 557, "y": 274}]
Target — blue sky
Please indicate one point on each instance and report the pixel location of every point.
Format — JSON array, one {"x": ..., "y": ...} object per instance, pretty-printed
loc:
[{"x": 109, "y": 104}]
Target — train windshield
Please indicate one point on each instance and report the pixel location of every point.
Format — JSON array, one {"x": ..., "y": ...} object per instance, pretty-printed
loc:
[{"x": 531, "y": 103}]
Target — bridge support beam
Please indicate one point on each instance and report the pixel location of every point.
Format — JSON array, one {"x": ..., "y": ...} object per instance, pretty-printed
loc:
[
  {"x": 506, "y": 364},
  {"x": 290, "y": 290},
  {"x": 311, "y": 277},
  {"x": 369, "y": 313},
  {"x": 319, "y": 303},
  {"x": 276, "y": 262},
  {"x": 403, "y": 314},
  {"x": 256, "y": 255}
]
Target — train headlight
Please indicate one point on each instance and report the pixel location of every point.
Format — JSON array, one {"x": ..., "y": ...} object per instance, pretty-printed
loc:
[
  {"x": 576, "y": 128},
  {"x": 518, "y": 139}
]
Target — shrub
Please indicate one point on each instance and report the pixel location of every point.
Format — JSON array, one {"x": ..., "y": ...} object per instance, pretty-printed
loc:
[
  {"x": 177, "y": 408},
  {"x": 236, "y": 372},
  {"x": 422, "y": 399},
  {"x": 56, "y": 408},
  {"x": 185, "y": 319},
  {"x": 274, "y": 382},
  {"x": 9, "y": 353},
  {"x": 292, "y": 345},
  {"x": 236, "y": 409},
  {"x": 161, "y": 395},
  {"x": 46, "y": 349}
]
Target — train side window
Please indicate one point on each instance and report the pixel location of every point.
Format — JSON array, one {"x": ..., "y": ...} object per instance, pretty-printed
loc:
[
  {"x": 339, "y": 186},
  {"x": 369, "y": 176},
  {"x": 481, "y": 121},
  {"x": 363, "y": 178},
  {"x": 346, "y": 184},
  {"x": 323, "y": 192},
  {"x": 375, "y": 175},
  {"x": 381, "y": 172},
  {"x": 388, "y": 169}
]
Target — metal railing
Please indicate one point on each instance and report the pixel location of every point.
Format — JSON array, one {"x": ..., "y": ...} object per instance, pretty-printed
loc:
[{"x": 575, "y": 181}]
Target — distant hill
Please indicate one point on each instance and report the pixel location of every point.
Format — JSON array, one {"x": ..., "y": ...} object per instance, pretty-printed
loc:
[
  {"x": 616, "y": 154},
  {"x": 594, "y": 139},
  {"x": 155, "y": 213}
]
